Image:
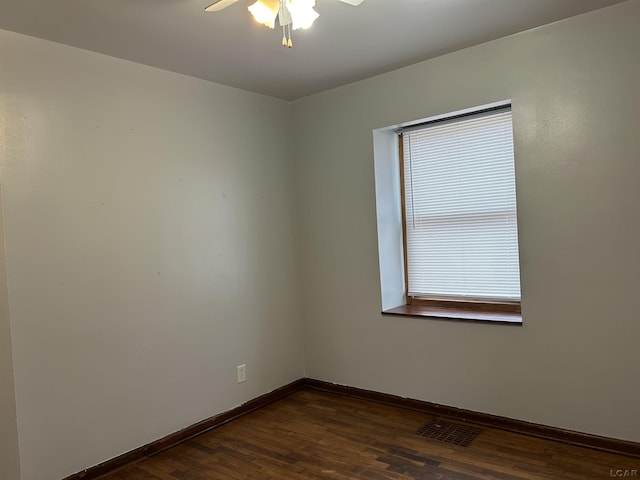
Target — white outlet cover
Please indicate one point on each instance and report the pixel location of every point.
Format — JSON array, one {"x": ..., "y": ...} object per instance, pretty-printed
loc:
[{"x": 242, "y": 373}]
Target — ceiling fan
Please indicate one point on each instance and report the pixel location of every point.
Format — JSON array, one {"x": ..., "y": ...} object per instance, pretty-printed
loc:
[{"x": 291, "y": 14}]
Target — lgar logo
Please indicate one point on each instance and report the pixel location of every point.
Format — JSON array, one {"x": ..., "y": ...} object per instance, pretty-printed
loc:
[{"x": 623, "y": 473}]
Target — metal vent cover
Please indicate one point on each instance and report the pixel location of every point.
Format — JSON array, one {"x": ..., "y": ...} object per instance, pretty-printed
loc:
[{"x": 448, "y": 432}]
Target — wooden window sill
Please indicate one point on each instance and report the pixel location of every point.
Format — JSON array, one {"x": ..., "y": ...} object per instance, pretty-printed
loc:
[{"x": 448, "y": 313}]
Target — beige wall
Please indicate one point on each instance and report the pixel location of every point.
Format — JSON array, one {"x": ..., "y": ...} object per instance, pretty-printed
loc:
[
  {"x": 574, "y": 363},
  {"x": 9, "y": 458},
  {"x": 150, "y": 239}
]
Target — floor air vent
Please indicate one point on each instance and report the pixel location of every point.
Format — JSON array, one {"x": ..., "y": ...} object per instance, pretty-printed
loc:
[{"x": 447, "y": 432}]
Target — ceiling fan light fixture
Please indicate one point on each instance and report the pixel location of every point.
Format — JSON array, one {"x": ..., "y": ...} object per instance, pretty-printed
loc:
[
  {"x": 291, "y": 14},
  {"x": 265, "y": 12}
]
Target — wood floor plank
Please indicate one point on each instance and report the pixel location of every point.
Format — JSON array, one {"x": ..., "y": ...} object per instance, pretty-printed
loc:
[{"x": 319, "y": 435}]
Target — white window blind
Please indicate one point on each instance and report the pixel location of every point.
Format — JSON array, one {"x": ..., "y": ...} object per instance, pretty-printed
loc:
[{"x": 460, "y": 208}]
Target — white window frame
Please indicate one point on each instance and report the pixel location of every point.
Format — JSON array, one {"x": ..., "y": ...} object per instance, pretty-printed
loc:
[{"x": 391, "y": 243}]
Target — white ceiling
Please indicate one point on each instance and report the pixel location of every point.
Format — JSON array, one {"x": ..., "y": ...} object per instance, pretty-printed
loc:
[{"x": 344, "y": 45}]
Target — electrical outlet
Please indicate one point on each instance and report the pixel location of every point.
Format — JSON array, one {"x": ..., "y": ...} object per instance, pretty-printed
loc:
[{"x": 241, "y": 370}]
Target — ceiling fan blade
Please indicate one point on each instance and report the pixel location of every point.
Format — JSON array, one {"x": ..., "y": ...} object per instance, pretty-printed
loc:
[
  {"x": 219, "y": 5},
  {"x": 355, "y": 3}
]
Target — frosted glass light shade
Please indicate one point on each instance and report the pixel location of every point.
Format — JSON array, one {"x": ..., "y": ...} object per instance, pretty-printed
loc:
[
  {"x": 265, "y": 12},
  {"x": 302, "y": 13}
]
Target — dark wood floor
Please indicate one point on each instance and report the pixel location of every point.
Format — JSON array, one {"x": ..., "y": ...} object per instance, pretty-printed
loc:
[{"x": 317, "y": 435}]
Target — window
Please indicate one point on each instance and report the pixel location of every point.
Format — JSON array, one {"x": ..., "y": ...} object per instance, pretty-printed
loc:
[{"x": 459, "y": 217}]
